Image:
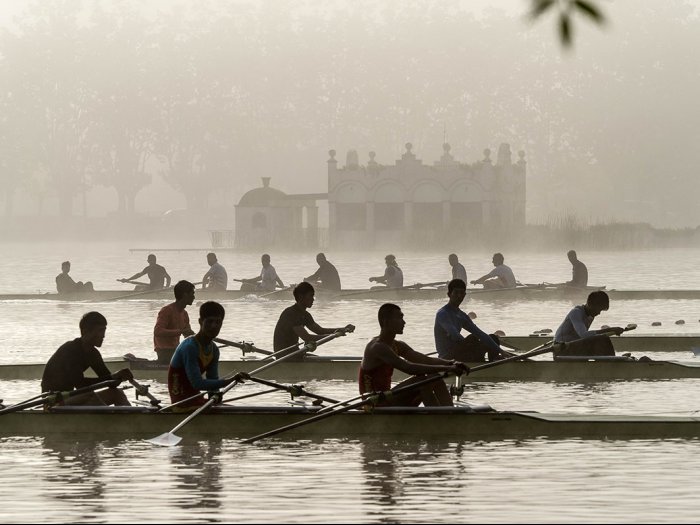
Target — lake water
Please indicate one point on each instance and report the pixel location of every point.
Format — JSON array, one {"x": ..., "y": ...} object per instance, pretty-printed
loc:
[{"x": 350, "y": 480}]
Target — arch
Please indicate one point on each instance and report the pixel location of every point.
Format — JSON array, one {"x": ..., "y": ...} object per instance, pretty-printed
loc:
[
  {"x": 389, "y": 191},
  {"x": 350, "y": 192}
]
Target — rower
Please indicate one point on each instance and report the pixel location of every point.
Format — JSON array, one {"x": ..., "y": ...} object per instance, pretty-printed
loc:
[
  {"x": 64, "y": 370},
  {"x": 385, "y": 353},
  {"x": 65, "y": 283},
  {"x": 575, "y": 330},
  {"x": 216, "y": 277},
  {"x": 267, "y": 281},
  {"x": 458, "y": 270},
  {"x": 295, "y": 319},
  {"x": 449, "y": 321},
  {"x": 326, "y": 277},
  {"x": 500, "y": 277},
  {"x": 196, "y": 356},
  {"x": 173, "y": 322},
  {"x": 393, "y": 276},
  {"x": 579, "y": 272},
  {"x": 157, "y": 276}
]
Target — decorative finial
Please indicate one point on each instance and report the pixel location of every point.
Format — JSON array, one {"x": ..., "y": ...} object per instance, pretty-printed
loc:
[{"x": 332, "y": 154}]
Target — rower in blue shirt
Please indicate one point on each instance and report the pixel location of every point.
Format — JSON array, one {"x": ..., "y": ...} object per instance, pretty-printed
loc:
[{"x": 450, "y": 320}]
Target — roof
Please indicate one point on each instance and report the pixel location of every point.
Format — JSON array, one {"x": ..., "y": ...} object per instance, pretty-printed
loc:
[{"x": 264, "y": 196}]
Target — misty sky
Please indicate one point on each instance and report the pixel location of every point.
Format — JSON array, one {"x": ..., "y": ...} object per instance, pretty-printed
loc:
[{"x": 610, "y": 130}]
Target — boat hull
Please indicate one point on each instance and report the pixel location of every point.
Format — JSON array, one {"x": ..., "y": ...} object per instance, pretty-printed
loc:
[
  {"x": 320, "y": 368},
  {"x": 535, "y": 293},
  {"x": 416, "y": 423},
  {"x": 627, "y": 343}
]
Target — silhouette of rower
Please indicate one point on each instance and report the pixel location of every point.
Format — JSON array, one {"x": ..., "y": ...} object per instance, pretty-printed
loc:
[{"x": 157, "y": 276}]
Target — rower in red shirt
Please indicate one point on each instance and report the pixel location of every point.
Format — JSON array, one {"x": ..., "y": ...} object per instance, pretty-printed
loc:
[
  {"x": 173, "y": 322},
  {"x": 384, "y": 353}
]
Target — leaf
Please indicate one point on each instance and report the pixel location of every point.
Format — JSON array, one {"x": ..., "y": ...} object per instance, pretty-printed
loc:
[
  {"x": 590, "y": 10},
  {"x": 565, "y": 30},
  {"x": 539, "y": 7}
]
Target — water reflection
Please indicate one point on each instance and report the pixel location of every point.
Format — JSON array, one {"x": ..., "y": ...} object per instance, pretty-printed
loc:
[
  {"x": 76, "y": 476},
  {"x": 198, "y": 476}
]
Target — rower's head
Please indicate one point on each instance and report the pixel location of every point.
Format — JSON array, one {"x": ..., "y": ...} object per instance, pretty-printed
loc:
[
  {"x": 304, "y": 294},
  {"x": 65, "y": 266},
  {"x": 93, "y": 326},
  {"x": 321, "y": 258},
  {"x": 390, "y": 318},
  {"x": 211, "y": 318},
  {"x": 571, "y": 254},
  {"x": 597, "y": 302},
  {"x": 453, "y": 259},
  {"x": 390, "y": 260},
  {"x": 456, "y": 291},
  {"x": 211, "y": 258},
  {"x": 184, "y": 291},
  {"x": 151, "y": 259},
  {"x": 497, "y": 259},
  {"x": 265, "y": 259}
]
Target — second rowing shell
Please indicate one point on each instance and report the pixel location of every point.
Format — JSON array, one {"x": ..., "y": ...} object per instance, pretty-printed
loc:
[
  {"x": 346, "y": 368},
  {"x": 626, "y": 343},
  {"x": 384, "y": 294}
]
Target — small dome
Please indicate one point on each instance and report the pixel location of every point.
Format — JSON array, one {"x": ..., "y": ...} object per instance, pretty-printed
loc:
[{"x": 264, "y": 196}]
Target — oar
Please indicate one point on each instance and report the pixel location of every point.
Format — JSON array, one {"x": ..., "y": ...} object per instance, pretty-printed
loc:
[
  {"x": 246, "y": 347},
  {"x": 142, "y": 390},
  {"x": 142, "y": 292},
  {"x": 129, "y": 281},
  {"x": 415, "y": 286},
  {"x": 373, "y": 397},
  {"x": 284, "y": 289},
  {"x": 169, "y": 439},
  {"x": 293, "y": 390},
  {"x": 51, "y": 398}
]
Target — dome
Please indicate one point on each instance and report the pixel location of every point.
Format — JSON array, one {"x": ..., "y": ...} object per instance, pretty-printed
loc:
[{"x": 264, "y": 196}]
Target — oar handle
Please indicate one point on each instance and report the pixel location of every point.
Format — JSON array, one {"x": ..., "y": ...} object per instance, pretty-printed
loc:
[{"x": 294, "y": 390}]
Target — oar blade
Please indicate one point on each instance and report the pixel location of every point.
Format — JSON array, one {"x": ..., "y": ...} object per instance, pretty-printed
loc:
[{"x": 165, "y": 440}]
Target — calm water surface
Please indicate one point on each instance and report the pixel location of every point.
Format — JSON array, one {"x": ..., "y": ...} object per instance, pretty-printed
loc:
[{"x": 67, "y": 479}]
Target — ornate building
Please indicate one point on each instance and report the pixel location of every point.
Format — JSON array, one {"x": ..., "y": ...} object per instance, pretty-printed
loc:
[
  {"x": 269, "y": 218},
  {"x": 411, "y": 204}
]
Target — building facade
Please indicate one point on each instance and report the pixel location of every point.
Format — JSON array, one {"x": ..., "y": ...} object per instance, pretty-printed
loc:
[
  {"x": 411, "y": 204},
  {"x": 269, "y": 218}
]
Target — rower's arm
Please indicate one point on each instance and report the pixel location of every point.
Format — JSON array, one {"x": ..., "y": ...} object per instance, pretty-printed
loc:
[
  {"x": 305, "y": 336},
  {"x": 168, "y": 280},
  {"x": 409, "y": 354},
  {"x": 136, "y": 276},
  {"x": 191, "y": 359},
  {"x": 485, "y": 338},
  {"x": 443, "y": 320},
  {"x": 576, "y": 318},
  {"x": 382, "y": 352}
]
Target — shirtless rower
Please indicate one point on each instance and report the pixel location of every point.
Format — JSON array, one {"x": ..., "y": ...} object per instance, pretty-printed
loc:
[
  {"x": 385, "y": 353},
  {"x": 157, "y": 276},
  {"x": 64, "y": 370}
]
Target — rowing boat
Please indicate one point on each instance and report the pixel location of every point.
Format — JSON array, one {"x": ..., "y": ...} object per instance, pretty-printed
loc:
[
  {"x": 464, "y": 423},
  {"x": 629, "y": 343},
  {"x": 579, "y": 370},
  {"x": 536, "y": 293}
]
